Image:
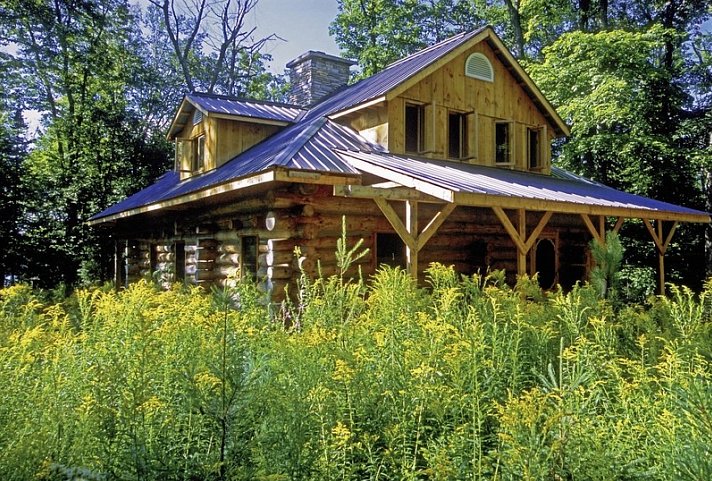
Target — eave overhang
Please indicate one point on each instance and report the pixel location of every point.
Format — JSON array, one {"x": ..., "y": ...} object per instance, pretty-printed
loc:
[
  {"x": 275, "y": 174},
  {"x": 435, "y": 189}
]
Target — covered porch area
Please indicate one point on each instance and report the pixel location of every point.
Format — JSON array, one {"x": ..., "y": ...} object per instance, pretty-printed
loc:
[{"x": 418, "y": 196}]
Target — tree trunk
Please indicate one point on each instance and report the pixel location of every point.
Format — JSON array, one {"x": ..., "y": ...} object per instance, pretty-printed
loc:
[{"x": 516, "y": 20}]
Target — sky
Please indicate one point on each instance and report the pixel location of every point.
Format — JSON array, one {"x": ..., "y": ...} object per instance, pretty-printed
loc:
[{"x": 303, "y": 24}]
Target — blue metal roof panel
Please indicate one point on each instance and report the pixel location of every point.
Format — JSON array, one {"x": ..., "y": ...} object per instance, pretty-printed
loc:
[
  {"x": 246, "y": 108},
  {"x": 306, "y": 146},
  {"x": 561, "y": 187},
  {"x": 396, "y": 73}
]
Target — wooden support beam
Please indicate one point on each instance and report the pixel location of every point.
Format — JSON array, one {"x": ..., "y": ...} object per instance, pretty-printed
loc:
[
  {"x": 522, "y": 253},
  {"x": 519, "y": 235},
  {"x": 602, "y": 227},
  {"x": 408, "y": 231},
  {"x": 396, "y": 222},
  {"x": 411, "y": 225},
  {"x": 507, "y": 224},
  {"x": 592, "y": 229},
  {"x": 656, "y": 239},
  {"x": 535, "y": 233},
  {"x": 619, "y": 224},
  {"x": 662, "y": 242},
  {"x": 434, "y": 225}
]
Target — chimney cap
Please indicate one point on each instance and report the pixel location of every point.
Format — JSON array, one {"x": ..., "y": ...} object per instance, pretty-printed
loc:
[{"x": 312, "y": 54}]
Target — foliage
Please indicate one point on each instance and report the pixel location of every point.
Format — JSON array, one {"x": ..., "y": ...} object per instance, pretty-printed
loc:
[
  {"x": 608, "y": 256},
  {"x": 105, "y": 77},
  {"x": 468, "y": 379}
]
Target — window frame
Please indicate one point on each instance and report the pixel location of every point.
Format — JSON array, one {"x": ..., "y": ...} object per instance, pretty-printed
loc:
[
  {"x": 537, "y": 151},
  {"x": 463, "y": 135},
  {"x": 249, "y": 271},
  {"x": 197, "y": 159},
  {"x": 400, "y": 261},
  {"x": 419, "y": 127},
  {"x": 179, "y": 261},
  {"x": 510, "y": 142},
  {"x": 553, "y": 238}
]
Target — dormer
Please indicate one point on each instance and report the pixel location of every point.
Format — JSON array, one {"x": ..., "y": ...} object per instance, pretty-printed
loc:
[{"x": 209, "y": 130}]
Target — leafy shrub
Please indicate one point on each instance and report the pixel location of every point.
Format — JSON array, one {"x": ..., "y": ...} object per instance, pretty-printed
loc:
[{"x": 465, "y": 379}]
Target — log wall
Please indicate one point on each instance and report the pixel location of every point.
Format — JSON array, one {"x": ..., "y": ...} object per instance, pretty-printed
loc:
[{"x": 298, "y": 229}]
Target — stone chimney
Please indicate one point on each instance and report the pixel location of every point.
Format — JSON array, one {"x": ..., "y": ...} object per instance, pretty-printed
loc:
[{"x": 314, "y": 75}]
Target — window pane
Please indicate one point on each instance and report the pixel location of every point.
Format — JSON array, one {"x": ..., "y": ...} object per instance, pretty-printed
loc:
[
  {"x": 248, "y": 261},
  {"x": 502, "y": 143},
  {"x": 456, "y": 135},
  {"x": 413, "y": 128},
  {"x": 546, "y": 263},
  {"x": 180, "y": 261},
  {"x": 533, "y": 149}
]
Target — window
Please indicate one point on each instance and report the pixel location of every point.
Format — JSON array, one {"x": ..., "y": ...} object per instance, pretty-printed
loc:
[
  {"x": 502, "y": 143},
  {"x": 390, "y": 250},
  {"x": 153, "y": 257},
  {"x": 248, "y": 257},
  {"x": 180, "y": 154},
  {"x": 457, "y": 135},
  {"x": 414, "y": 128},
  {"x": 478, "y": 66},
  {"x": 545, "y": 262},
  {"x": 533, "y": 149},
  {"x": 179, "y": 251},
  {"x": 198, "y": 157},
  {"x": 197, "y": 117}
]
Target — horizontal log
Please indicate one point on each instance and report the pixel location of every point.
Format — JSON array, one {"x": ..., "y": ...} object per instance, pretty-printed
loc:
[
  {"x": 165, "y": 257},
  {"x": 228, "y": 248},
  {"x": 226, "y": 271},
  {"x": 228, "y": 259},
  {"x": 279, "y": 272},
  {"x": 287, "y": 244},
  {"x": 273, "y": 258}
]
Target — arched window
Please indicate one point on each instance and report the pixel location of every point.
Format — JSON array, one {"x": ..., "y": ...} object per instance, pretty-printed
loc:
[{"x": 478, "y": 66}]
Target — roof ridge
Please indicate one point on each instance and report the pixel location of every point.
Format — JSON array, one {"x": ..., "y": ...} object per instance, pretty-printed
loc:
[
  {"x": 434, "y": 46},
  {"x": 243, "y": 99}
]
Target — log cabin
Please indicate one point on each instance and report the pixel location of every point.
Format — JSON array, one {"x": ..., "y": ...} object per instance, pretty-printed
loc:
[{"x": 444, "y": 156}]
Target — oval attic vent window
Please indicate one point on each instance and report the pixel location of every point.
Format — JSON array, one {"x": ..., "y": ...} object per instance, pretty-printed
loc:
[{"x": 479, "y": 67}]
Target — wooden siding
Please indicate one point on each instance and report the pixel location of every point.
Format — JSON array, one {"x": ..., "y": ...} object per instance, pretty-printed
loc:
[
  {"x": 224, "y": 139},
  {"x": 448, "y": 89}
]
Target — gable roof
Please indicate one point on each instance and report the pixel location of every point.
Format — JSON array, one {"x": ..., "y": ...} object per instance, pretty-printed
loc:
[
  {"x": 377, "y": 85},
  {"x": 312, "y": 143},
  {"x": 404, "y": 73},
  {"x": 234, "y": 108}
]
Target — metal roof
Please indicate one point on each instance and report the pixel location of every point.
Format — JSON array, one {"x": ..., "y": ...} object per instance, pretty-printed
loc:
[
  {"x": 396, "y": 73},
  {"x": 307, "y": 146},
  {"x": 234, "y": 107},
  {"x": 245, "y": 108},
  {"x": 561, "y": 186}
]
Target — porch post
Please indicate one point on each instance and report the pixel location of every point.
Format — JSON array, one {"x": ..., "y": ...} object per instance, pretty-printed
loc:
[
  {"x": 411, "y": 225},
  {"x": 661, "y": 244},
  {"x": 521, "y": 251}
]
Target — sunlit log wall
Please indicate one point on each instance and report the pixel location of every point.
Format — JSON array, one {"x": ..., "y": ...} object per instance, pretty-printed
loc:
[{"x": 297, "y": 229}]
